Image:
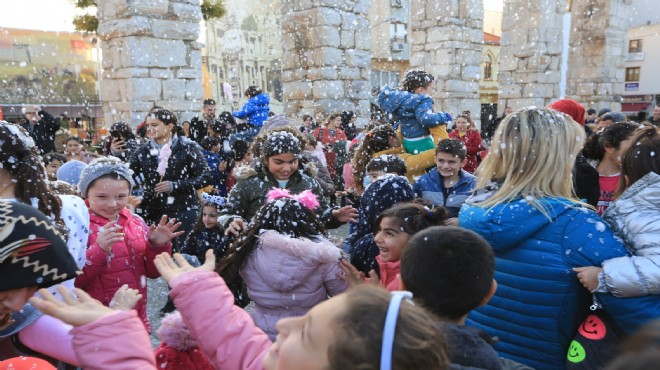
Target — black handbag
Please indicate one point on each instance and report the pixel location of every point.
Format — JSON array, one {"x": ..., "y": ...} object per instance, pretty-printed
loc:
[{"x": 596, "y": 341}]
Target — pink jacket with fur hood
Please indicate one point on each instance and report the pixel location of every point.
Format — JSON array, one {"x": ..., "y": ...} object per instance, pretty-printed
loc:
[
  {"x": 288, "y": 276},
  {"x": 131, "y": 263},
  {"x": 224, "y": 332}
]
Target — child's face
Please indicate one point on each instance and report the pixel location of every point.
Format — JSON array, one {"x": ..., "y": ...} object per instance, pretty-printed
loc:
[
  {"x": 391, "y": 239},
  {"x": 430, "y": 89},
  {"x": 210, "y": 217},
  {"x": 282, "y": 166},
  {"x": 448, "y": 164},
  {"x": 73, "y": 147},
  {"x": 375, "y": 175},
  {"x": 13, "y": 300},
  {"x": 158, "y": 130},
  {"x": 51, "y": 169},
  {"x": 303, "y": 342},
  {"x": 107, "y": 197}
]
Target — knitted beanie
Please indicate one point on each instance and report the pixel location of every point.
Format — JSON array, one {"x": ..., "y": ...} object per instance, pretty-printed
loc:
[
  {"x": 25, "y": 363},
  {"x": 281, "y": 142},
  {"x": 570, "y": 107},
  {"x": 32, "y": 251},
  {"x": 70, "y": 171},
  {"x": 101, "y": 167},
  {"x": 178, "y": 349}
]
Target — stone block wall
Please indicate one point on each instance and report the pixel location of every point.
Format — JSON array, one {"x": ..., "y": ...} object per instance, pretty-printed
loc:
[
  {"x": 447, "y": 41},
  {"x": 327, "y": 58},
  {"x": 597, "y": 52},
  {"x": 530, "y": 54},
  {"x": 150, "y": 57}
]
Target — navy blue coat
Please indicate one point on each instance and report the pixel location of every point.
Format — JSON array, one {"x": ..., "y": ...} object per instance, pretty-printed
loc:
[
  {"x": 430, "y": 187},
  {"x": 255, "y": 111},
  {"x": 539, "y": 301},
  {"x": 198, "y": 242},
  {"x": 379, "y": 196},
  {"x": 413, "y": 112}
]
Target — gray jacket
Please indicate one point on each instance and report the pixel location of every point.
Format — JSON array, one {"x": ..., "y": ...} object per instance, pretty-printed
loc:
[{"x": 635, "y": 218}]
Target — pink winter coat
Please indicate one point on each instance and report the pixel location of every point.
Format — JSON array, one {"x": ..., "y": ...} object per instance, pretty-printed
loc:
[
  {"x": 132, "y": 262},
  {"x": 288, "y": 276},
  {"x": 225, "y": 333},
  {"x": 388, "y": 274}
]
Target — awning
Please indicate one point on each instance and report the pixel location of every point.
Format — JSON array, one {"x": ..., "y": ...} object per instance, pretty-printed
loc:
[{"x": 633, "y": 107}]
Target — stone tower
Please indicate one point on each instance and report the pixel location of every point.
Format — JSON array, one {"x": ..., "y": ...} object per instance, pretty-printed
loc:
[
  {"x": 150, "y": 57},
  {"x": 326, "y": 57},
  {"x": 597, "y": 52},
  {"x": 530, "y": 57},
  {"x": 447, "y": 41}
]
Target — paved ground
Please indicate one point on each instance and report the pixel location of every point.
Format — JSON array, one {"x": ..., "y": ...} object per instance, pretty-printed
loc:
[{"x": 158, "y": 290}]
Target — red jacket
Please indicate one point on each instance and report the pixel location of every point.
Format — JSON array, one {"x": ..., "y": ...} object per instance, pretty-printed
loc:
[
  {"x": 472, "y": 141},
  {"x": 323, "y": 135},
  {"x": 131, "y": 263}
]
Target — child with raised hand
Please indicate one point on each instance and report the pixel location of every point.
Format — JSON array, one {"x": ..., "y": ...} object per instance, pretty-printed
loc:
[
  {"x": 411, "y": 108},
  {"x": 285, "y": 259},
  {"x": 207, "y": 233},
  {"x": 278, "y": 168},
  {"x": 392, "y": 230},
  {"x": 387, "y": 187},
  {"x": 352, "y": 331},
  {"x": 121, "y": 248},
  {"x": 634, "y": 217}
]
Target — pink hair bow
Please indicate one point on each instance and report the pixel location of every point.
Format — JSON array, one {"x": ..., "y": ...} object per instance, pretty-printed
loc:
[{"x": 306, "y": 198}]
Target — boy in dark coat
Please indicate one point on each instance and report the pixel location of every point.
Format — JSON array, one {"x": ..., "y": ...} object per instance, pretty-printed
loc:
[{"x": 450, "y": 272}]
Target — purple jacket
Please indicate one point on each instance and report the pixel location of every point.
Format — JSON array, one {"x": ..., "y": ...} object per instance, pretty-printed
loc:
[{"x": 288, "y": 276}]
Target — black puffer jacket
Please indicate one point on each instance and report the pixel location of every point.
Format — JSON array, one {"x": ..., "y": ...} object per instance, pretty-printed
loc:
[
  {"x": 43, "y": 133},
  {"x": 249, "y": 194},
  {"x": 187, "y": 170}
]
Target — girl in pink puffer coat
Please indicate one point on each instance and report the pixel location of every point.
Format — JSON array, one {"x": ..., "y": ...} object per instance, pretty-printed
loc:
[
  {"x": 285, "y": 260},
  {"x": 121, "y": 248}
]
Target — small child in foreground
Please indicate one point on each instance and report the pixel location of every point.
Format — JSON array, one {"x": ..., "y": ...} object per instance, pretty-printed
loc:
[
  {"x": 450, "y": 272},
  {"x": 365, "y": 328}
]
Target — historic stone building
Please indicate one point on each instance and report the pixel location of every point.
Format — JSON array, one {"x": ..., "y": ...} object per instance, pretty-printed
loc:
[
  {"x": 549, "y": 48},
  {"x": 150, "y": 57}
]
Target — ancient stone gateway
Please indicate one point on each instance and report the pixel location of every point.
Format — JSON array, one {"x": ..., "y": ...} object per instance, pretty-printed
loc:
[
  {"x": 447, "y": 41},
  {"x": 150, "y": 57},
  {"x": 533, "y": 42}
]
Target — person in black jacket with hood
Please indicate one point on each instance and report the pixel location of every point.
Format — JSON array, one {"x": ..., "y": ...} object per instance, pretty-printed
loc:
[
  {"x": 170, "y": 168},
  {"x": 42, "y": 128}
]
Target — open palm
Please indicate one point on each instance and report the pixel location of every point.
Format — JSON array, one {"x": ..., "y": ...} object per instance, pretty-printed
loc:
[{"x": 171, "y": 267}]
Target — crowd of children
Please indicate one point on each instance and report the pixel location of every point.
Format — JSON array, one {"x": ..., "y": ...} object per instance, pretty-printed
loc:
[{"x": 499, "y": 256}]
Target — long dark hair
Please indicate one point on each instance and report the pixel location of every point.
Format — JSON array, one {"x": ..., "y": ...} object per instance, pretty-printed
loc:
[
  {"x": 611, "y": 136},
  {"x": 376, "y": 140},
  {"x": 199, "y": 225},
  {"x": 20, "y": 158},
  {"x": 640, "y": 159},
  {"x": 283, "y": 215},
  {"x": 413, "y": 217},
  {"x": 169, "y": 118}
]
